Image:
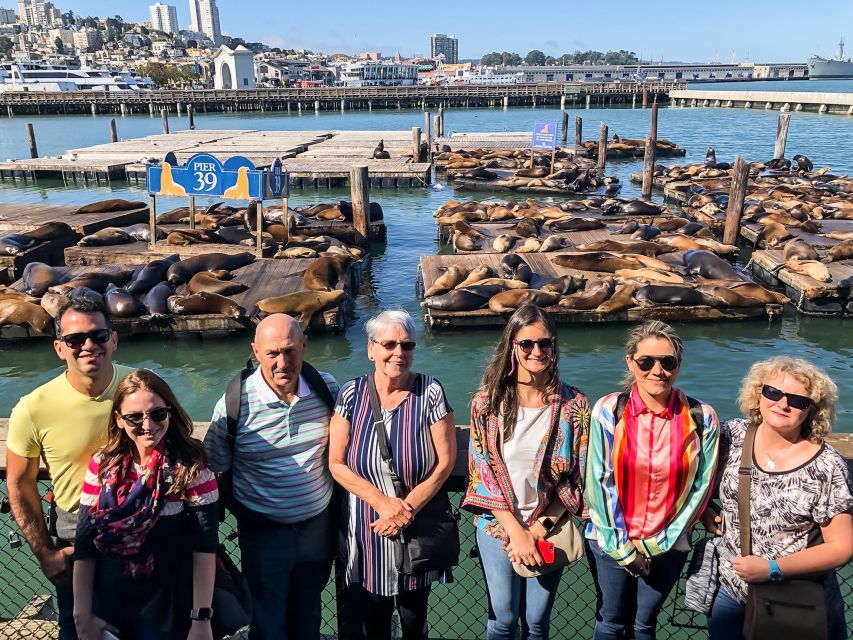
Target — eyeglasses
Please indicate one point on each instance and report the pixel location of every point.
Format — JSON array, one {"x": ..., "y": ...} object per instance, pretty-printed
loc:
[
  {"x": 161, "y": 414},
  {"x": 647, "y": 363},
  {"x": 77, "y": 340},
  {"x": 545, "y": 344},
  {"x": 390, "y": 345},
  {"x": 794, "y": 400}
]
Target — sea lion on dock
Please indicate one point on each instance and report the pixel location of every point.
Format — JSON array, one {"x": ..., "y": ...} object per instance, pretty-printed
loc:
[
  {"x": 175, "y": 216},
  {"x": 843, "y": 251},
  {"x": 516, "y": 268},
  {"x": 109, "y": 206},
  {"x": 771, "y": 235},
  {"x": 803, "y": 163},
  {"x": 463, "y": 242},
  {"x": 12, "y": 294},
  {"x": 20, "y": 312},
  {"x": 181, "y": 272},
  {"x": 646, "y": 232},
  {"x": 840, "y": 235},
  {"x": 215, "y": 282},
  {"x": 642, "y": 207},
  {"x": 51, "y": 231},
  {"x": 504, "y": 243},
  {"x": 85, "y": 292},
  {"x": 576, "y": 224},
  {"x": 477, "y": 274},
  {"x": 184, "y": 237},
  {"x": 52, "y": 302},
  {"x": 379, "y": 152},
  {"x": 463, "y": 298},
  {"x": 592, "y": 296},
  {"x": 509, "y": 301},
  {"x": 38, "y": 277},
  {"x": 622, "y": 298},
  {"x": 156, "y": 300},
  {"x": 672, "y": 295},
  {"x": 105, "y": 237},
  {"x": 650, "y": 275},
  {"x": 531, "y": 245},
  {"x": 452, "y": 277},
  {"x": 297, "y": 252},
  {"x": 710, "y": 158},
  {"x": 630, "y": 226},
  {"x": 799, "y": 249},
  {"x": 691, "y": 228},
  {"x": 326, "y": 272},
  {"x": 479, "y": 173},
  {"x": 643, "y": 247},
  {"x": 504, "y": 283},
  {"x": 141, "y": 232},
  {"x": 596, "y": 261},
  {"x": 95, "y": 280},
  {"x": 707, "y": 264},
  {"x": 204, "y": 303},
  {"x": 121, "y": 304},
  {"x": 553, "y": 243},
  {"x": 14, "y": 244},
  {"x": 150, "y": 274},
  {"x": 235, "y": 235},
  {"x": 303, "y": 304},
  {"x": 467, "y": 229},
  {"x": 564, "y": 285},
  {"x": 811, "y": 268}
]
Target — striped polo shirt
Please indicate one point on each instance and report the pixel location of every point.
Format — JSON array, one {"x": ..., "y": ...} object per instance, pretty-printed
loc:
[{"x": 280, "y": 467}]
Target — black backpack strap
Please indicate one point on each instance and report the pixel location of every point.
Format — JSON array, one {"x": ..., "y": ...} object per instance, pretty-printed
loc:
[{"x": 318, "y": 385}]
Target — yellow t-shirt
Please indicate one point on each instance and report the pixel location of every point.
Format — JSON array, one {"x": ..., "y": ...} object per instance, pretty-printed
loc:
[{"x": 65, "y": 427}]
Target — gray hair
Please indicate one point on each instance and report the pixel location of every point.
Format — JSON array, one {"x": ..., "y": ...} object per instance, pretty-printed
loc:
[
  {"x": 650, "y": 329},
  {"x": 379, "y": 323}
]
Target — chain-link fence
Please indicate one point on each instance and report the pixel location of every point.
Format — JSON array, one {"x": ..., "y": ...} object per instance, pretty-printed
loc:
[{"x": 457, "y": 610}]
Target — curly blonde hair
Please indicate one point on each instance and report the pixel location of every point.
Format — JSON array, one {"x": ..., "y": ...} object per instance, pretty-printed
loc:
[{"x": 821, "y": 389}]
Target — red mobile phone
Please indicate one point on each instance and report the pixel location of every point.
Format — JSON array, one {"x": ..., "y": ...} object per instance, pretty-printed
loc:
[{"x": 546, "y": 550}]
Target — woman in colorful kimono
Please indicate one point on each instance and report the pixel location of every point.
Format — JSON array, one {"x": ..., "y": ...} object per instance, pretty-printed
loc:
[
  {"x": 651, "y": 464},
  {"x": 526, "y": 466}
]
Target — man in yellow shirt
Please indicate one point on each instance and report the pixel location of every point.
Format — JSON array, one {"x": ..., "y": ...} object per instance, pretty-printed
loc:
[{"x": 64, "y": 421}]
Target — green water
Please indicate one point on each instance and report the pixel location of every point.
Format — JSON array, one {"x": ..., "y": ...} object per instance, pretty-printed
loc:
[{"x": 717, "y": 354}]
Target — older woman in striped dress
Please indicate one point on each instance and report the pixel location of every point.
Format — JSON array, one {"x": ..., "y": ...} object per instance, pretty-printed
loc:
[{"x": 420, "y": 431}]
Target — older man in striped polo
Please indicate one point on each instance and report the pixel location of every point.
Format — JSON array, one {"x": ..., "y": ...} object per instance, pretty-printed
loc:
[{"x": 282, "y": 489}]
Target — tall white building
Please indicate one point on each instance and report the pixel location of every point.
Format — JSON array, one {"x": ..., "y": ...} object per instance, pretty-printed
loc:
[
  {"x": 445, "y": 46},
  {"x": 38, "y": 13},
  {"x": 204, "y": 18},
  {"x": 164, "y": 17}
]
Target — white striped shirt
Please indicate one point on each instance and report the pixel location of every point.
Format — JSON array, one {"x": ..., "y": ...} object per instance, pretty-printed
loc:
[{"x": 280, "y": 467}]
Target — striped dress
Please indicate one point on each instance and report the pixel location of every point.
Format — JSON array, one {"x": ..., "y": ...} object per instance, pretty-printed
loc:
[
  {"x": 649, "y": 475},
  {"x": 370, "y": 559}
]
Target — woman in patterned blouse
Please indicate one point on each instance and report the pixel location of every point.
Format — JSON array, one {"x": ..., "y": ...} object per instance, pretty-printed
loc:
[
  {"x": 651, "y": 464},
  {"x": 148, "y": 523},
  {"x": 799, "y": 484},
  {"x": 421, "y": 432},
  {"x": 526, "y": 468}
]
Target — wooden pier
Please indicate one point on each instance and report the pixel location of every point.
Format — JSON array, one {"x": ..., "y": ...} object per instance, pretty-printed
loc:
[{"x": 840, "y": 103}]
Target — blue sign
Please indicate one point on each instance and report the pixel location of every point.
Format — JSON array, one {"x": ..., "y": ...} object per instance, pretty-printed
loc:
[
  {"x": 278, "y": 183},
  {"x": 545, "y": 135},
  {"x": 205, "y": 175}
]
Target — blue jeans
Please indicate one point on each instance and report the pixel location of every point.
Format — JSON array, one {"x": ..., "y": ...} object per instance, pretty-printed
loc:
[
  {"x": 65, "y": 611},
  {"x": 287, "y": 568},
  {"x": 626, "y": 601},
  {"x": 511, "y": 596}
]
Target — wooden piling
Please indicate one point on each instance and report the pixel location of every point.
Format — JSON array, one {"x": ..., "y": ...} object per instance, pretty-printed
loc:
[
  {"x": 152, "y": 220},
  {"x": 602, "y": 149},
  {"x": 648, "y": 168},
  {"x": 428, "y": 132},
  {"x": 645, "y": 97},
  {"x": 416, "y": 144},
  {"x": 31, "y": 138},
  {"x": 191, "y": 116},
  {"x": 259, "y": 232},
  {"x": 737, "y": 195},
  {"x": 578, "y": 131},
  {"x": 165, "y": 116},
  {"x": 113, "y": 132},
  {"x": 565, "y": 134},
  {"x": 441, "y": 120},
  {"x": 781, "y": 135},
  {"x": 654, "y": 131},
  {"x": 192, "y": 212},
  {"x": 359, "y": 180},
  {"x": 436, "y": 126}
]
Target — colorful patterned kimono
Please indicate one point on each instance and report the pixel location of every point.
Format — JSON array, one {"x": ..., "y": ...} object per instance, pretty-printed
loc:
[{"x": 559, "y": 464}]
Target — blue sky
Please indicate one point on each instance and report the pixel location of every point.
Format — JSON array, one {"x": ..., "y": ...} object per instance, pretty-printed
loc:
[{"x": 686, "y": 30}]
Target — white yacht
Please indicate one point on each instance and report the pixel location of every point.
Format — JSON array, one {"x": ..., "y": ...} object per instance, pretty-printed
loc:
[{"x": 38, "y": 76}]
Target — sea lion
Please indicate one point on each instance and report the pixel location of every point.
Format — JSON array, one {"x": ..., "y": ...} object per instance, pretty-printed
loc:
[
  {"x": 463, "y": 298},
  {"x": 452, "y": 277},
  {"x": 653, "y": 275},
  {"x": 757, "y": 292},
  {"x": 504, "y": 243},
  {"x": 303, "y": 304},
  {"x": 643, "y": 247},
  {"x": 531, "y": 245},
  {"x": 14, "y": 244},
  {"x": 628, "y": 227},
  {"x": 646, "y": 232},
  {"x": 95, "y": 280},
  {"x": 106, "y": 237},
  {"x": 596, "y": 261},
  {"x": 532, "y": 172},
  {"x": 39, "y": 277},
  {"x": 12, "y": 294},
  {"x": 476, "y": 275},
  {"x": 297, "y": 252},
  {"x": 653, "y": 294},
  {"x": 799, "y": 249},
  {"x": 184, "y": 237},
  {"x": 732, "y": 297},
  {"x": 156, "y": 300},
  {"x": 20, "y": 312},
  {"x": 527, "y": 228},
  {"x": 622, "y": 298},
  {"x": 810, "y": 268},
  {"x": 509, "y": 301},
  {"x": 669, "y": 224},
  {"x": 516, "y": 268},
  {"x": 181, "y": 272},
  {"x": 642, "y": 207},
  {"x": 116, "y": 204},
  {"x": 553, "y": 243},
  {"x": 141, "y": 232},
  {"x": 215, "y": 282},
  {"x": 593, "y": 295},
  {"x": 710, "y": 158},
  {"x": 467, "y": 229},
  {"x": 51, "y": 231},
  {"x": 803, "y": 163},
  {"x": 840, "y": 235},
  {"x": 175, "y": 216},
  {"x": 691, "y": 228},
  {"x": 52, "y": 302},
  {"x": 564, "y": 285},
  {"x": 379, "y": 152},
  {"x": 85, "y": 292},
  {"x": 462, "y": 242},
  {"x": 150, "y": 275},
  {"x": 504, "y": 283},
  {"x": 235, "y": 235},
  {"x": 707, "y": 264},
  {"x": 771, "y": 235},
  {"x": 843, "y": 251},
  {"x": 121, "y": 304},
  {"x": 325, "y": 272},
  {"x": 479, "y": 173},
  {"x": 204, "y": 303},
  {"x": 576, "y": 224}
]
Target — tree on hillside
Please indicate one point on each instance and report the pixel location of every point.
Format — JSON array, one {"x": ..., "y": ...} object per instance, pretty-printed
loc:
[
  {"x": 58, "y": 45},
  {"x": 192, "y": 44},
  {"x": 550, "y": 60},
  {"x": 492, "y": 59},
  {"x": 6, "y": 46},
  {"x": 535, "y": 58}
]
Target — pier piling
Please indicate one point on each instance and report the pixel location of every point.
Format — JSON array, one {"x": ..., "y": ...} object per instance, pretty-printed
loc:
[
  {"x": 654, "y": 129},
  {"x": 645, "y": 97},
  {"x": 565, "y": 131},
  {"x": 94, "y": 108},
  {"x": 781, "y": 135},
  {"x": 578, "y": 131},
  {"x": 191, "y": 114},
  {"x": 436, "y": 126},
  {"x": 648, "y": 167},
  {"x": 588, "y": 100},
  {"x": 416, "y": 144},
  {"x": 31, "y": 138},
  {"x": 737, "y": 195},
  {"x": 165, "y": 116},
  {"x": 113, "y": 132},
  {"x": 602, "y": 148},
  {"x": 360, "y": 193},
  {"x": 428, "y": 133}
]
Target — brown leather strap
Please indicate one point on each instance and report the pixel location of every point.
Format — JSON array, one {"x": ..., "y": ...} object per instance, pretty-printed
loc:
[{"x": 744, "y": 486}]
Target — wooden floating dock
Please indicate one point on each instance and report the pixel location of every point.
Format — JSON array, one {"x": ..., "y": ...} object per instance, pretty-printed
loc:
[
  {"x": 265, "y": 278},
  {"x": 499, "y": 140},
  {"x": 808, "y": 295},
  {"x": 431, "y": 267},
  {"x": 841, "y": 103}
]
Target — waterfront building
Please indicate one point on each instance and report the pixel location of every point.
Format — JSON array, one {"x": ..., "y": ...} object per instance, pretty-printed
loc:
[
  {"x": 780, "y": 71},
  {"x": 164, "y": 17},
  {"x": 606, "y": 73},
  {"x": 371, "y": 56},
  {"x": 38, "y": 13},
  {"x": 294, "y": 73},
  {"x": 444, "y": 47},
  {"x": 204, "y": 18},
  {"x": 8, "y": 16},
  {"x": 234, "y": 68},
  {"x": 373, "y": 74}
]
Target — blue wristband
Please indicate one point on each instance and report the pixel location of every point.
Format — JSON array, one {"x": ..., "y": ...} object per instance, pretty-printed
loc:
[{"x": 775, "y": 574}]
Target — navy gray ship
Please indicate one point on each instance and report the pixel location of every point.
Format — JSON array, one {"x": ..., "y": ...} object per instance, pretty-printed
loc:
[{"x": 837, "y": 67}]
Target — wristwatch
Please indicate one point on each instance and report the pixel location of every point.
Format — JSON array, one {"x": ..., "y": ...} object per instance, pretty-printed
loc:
[
  {"x": 775, "y": 572},
  {"x": 547, "y": 523},
  {"x": 202, "y": 613}
]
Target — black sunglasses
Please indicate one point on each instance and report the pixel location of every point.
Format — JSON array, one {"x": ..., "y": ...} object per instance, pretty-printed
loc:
[
  {"x": 647, "y": 363},
  {"x": 390, "y": 345},
  {"x": 161, "y": 414},
  {"x": 77, "y": 340},
  {"x": 794, "y": 400},
  {"x": 545, "y": 344}
]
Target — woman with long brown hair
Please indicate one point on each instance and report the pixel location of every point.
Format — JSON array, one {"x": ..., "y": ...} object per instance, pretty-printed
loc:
[
  {"x": 526, "y": 469},
  {"x": 149, "y": 511}
]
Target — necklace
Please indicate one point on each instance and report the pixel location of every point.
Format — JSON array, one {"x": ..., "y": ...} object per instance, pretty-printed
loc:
[{"x": 771, "y": 463}]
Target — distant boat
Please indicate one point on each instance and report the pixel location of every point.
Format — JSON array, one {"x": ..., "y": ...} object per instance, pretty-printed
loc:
[{"x": 837, "y": 67}]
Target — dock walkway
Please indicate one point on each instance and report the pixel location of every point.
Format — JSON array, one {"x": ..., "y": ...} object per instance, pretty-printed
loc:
[{"x": 841, "y": 103}]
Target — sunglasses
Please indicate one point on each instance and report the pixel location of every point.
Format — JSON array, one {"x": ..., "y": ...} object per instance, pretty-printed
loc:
[
  {"x": 795, "y": 401},
  {"x": 77, "y": 340},
  {"x": 161, "y": 414},
  {"x": 647, "y": 363},
  {"x": 545, "y": 344},
  {"x": 390, "y": 345}
]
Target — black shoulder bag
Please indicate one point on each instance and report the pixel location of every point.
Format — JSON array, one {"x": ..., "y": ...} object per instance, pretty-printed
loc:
[
  {"x": 793, "y": 608},
  {"x": 431, "y": 541}
]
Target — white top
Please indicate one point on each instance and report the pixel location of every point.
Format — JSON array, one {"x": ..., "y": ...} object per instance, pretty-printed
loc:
[{"x": 519, "y": 455}]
